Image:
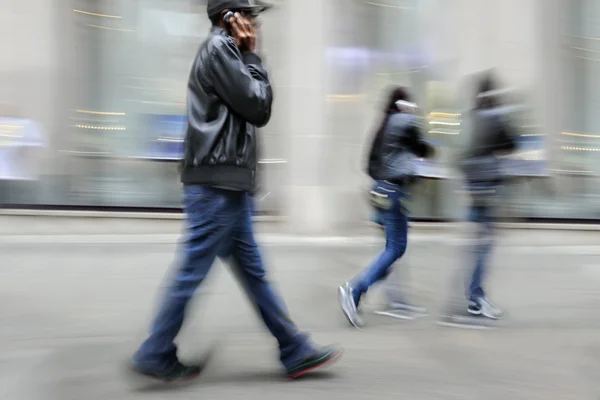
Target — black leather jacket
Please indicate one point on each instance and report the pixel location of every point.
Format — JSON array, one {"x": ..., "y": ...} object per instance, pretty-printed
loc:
[
  {"x": 394, "y": 153},
  {"x": 229, "y": 94}
]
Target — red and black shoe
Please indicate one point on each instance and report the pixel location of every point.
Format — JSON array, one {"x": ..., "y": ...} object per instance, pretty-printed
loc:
[
  {"x": 321, "y": 357},
  {"x": 176, "y": 373}
]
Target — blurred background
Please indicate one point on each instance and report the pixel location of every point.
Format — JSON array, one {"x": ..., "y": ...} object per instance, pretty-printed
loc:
[
  {"x": 92, "y": 116},
  {"x": 92, "y": 105}
]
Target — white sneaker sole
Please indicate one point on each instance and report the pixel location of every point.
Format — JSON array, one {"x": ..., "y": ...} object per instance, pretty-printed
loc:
[
  {"x": 466, "y": 322},
  {"x": 483, "y": 314},
  {"x": 402, "y": 314}
]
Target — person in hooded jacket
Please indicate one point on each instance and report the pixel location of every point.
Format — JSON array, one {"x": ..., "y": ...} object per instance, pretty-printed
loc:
[{"x": 491, "y": 138}]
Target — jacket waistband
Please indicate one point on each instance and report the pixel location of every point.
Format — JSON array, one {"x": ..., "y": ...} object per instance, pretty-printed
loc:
[{"x": 220, "y": 175}]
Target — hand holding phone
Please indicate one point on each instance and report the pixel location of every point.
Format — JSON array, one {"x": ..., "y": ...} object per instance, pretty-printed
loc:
[
  {"x": 242, "y": 31},
  {"x": 227, "y": 19}
]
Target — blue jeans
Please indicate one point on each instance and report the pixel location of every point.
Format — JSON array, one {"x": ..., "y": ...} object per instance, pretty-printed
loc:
[
  {"x": 219, "y": 224},
  {"x": 394, "y": 218},
  {"x": 481, "y": 214}
]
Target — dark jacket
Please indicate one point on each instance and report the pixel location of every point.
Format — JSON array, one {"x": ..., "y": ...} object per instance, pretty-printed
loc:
[
  {"x": 229, "y": 94},
  {"x": 491, "y": 136},
  {"x": 395, "y": 150}
]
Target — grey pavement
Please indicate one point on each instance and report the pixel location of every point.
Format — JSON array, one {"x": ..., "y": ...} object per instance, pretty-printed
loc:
[{"x": 72, "y": 312}]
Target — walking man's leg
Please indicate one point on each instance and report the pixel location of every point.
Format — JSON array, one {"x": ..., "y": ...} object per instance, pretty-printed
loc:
[
  {"x": 297, "y": 353},
  {"x": 210, "y": 214}
]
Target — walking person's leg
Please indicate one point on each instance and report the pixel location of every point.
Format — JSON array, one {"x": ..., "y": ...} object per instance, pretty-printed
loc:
[
  {"x": 478, "y": 302},
  {"x": 395, "y": 289},
  {"x": 395, "y": 223},
  {"x": 350, "y": 294},
  {"x": 210, "y": 214},
  {"x": 297, "y": 353},
  {"x": 481, "y": 250}
]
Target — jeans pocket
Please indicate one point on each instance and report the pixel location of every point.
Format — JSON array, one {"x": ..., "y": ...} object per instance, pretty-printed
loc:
[
  {"x": 197, "y": 198},
  {"x": 386, "y": 196},
  {"x": 381, "y": 201}
]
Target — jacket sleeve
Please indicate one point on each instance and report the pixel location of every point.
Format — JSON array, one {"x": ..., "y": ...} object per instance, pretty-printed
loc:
[
  {"x": 408, "y": 131},
  {"x": 242, "y": 82},
  {"x": 505, "y": 142}
]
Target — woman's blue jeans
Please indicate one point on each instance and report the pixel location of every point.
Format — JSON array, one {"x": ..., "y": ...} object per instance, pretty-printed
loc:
[{"x": 393, "y": 216}]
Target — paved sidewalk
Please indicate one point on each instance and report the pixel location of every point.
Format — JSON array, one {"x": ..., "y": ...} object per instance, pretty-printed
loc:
[{"x": 72, "y": 312}]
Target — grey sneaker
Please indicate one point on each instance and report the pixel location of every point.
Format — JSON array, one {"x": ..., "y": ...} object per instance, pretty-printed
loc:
[
  {"x": 402, "y": 310},
  {"x": 485, "y": 308},
  {"x": 405, "y": 306},
  {"x": 348, "y": 305}
]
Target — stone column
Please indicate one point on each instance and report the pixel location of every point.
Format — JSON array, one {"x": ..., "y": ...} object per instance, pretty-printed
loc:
[{"x": 307, "y": 204}]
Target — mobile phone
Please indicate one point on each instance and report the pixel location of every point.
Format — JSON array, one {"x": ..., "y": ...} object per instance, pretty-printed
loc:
[
  {"x": 407, "y": 107},
  {"x": 227, "y": 18}
]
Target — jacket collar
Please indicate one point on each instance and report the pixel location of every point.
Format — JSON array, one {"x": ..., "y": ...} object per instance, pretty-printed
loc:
[{"x": 217, "y": 30}]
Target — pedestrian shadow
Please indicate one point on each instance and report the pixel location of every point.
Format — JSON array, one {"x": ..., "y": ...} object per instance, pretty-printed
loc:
[
  {"x": 225, "y": 378},
  {"x": 275, "y": 376}
]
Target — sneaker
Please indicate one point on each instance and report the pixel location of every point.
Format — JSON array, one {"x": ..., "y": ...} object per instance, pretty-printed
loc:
[
  {"x": 320, "y": 358},
  {"x": 405, "y": 306},
  {"x": 348, "y": 305},
  {"x": 402, "y": 310},
  {"x": 485, "y": 308},
  {"x": 178, "y": 372}
]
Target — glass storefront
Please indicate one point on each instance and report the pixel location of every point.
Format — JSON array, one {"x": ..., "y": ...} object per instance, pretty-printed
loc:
[{"x": 110, "y": 129}]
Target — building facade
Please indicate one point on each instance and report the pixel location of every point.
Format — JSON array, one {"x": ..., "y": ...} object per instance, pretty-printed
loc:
[{"x": 106, "y": 82}]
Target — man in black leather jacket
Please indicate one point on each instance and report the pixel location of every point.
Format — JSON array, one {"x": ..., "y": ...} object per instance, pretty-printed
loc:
[{"x": 229, "y": 94}]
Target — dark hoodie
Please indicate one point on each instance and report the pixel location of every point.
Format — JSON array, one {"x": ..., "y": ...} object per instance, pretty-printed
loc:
[{"x": 492, "y": 136}]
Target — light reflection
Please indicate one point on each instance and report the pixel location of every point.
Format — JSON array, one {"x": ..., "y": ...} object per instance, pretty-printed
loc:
[
  {"x": 97, "y": 15},
  {"x": 99, "y": 112},
  {"x": 110, "y": 29},
  {"x": 585, "y": 135}
]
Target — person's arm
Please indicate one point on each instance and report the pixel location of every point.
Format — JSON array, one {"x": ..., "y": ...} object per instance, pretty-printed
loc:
[
  {"x": 505, "y": 140},
  {"x": 241, "y": 81},
  {"x": 408, "y": 131},
  {"x": 418, "y": 145}
]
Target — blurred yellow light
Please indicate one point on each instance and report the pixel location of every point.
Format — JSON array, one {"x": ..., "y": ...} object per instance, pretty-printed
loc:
[
  {"x": 387, "y": 5},
  {"x": 99, "y": 112},
  {"x": 444, "y": 123},
  {"x": 443, "y": 132},
  {"x": 97, "y": 15},
  {"x": 103, "y": 128},
  {"x": 343, "y": 97},
  {"x": 110, "y": 29},
  {"x": 580, "y": 135},
  {"x": 443, "y": 114},
  {"x": 571, "y": 148}
]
